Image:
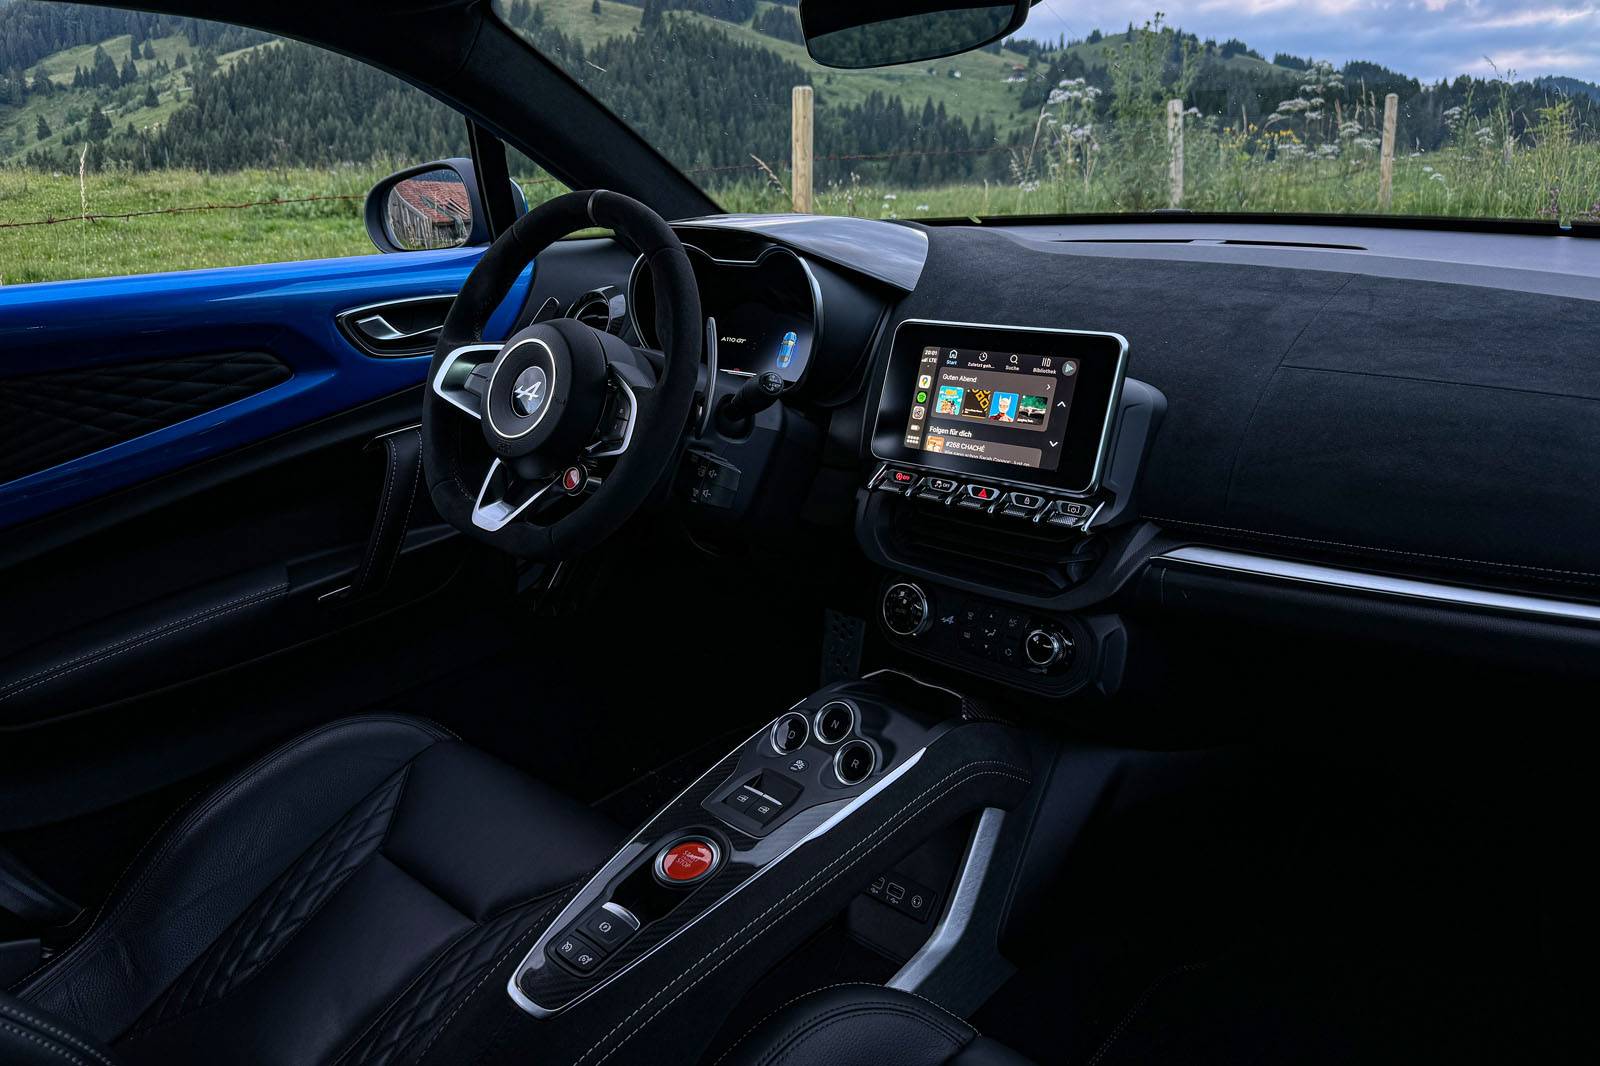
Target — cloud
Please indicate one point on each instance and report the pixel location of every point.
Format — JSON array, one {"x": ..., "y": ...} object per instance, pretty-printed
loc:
[{"x": 1426, "y": 39}]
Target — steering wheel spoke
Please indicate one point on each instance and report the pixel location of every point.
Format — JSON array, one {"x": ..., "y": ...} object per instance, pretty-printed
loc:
[
  {"x": 504, "y": 496},
  {"x": 616, "y": 425},
  {"x": 463, "y": 377}
]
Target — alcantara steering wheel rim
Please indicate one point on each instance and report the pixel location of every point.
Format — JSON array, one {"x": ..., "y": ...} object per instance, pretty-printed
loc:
[{"x": 563, "y": 410}]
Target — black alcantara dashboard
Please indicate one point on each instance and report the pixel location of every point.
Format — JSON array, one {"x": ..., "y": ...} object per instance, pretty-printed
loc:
[{"x": 1028, "y": 424}]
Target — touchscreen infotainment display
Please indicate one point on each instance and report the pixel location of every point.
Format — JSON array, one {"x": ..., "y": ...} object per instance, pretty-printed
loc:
[
  {"x": 1002, "y": 407},
  {"x": 1015, "y": 403}
]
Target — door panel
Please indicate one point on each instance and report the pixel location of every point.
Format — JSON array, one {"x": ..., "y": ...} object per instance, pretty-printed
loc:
[
  {"x": 166, "y": 576},
  {"x": 65, "y": 341},
  {"x": 191, "y": 470}
]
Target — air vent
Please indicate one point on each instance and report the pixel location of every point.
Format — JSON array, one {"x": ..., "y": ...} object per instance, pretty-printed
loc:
[
  {"x": 604, "y": 309},
  {"x": 1126, "y": 240},
  {"x": 1016, "y": 555},
  {"x": 1297, "y": 244},
  {"x": 1236, "y": 241}
]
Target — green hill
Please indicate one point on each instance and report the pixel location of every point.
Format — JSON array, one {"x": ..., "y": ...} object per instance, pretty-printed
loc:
[
  {"x": 707, "y": 81},
  {"x": 970, "y": 86},
  {"x": 66, "y": 110}
]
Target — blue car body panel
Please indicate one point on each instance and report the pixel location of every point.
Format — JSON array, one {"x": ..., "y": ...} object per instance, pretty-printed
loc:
[{"x": 287, "y": 309}]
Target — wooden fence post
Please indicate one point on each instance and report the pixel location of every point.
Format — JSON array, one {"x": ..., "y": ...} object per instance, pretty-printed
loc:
[
  {"x": 1391, "y": 115},
  {"x": 1175, "y": 152},
  {"x": 800, "y": 148}
]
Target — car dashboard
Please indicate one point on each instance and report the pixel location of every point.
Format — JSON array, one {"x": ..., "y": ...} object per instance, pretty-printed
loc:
[{"x": 1027, "y": 427}]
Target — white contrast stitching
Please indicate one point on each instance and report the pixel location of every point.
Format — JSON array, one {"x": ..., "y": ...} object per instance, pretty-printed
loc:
[
  {"x": 856, "y": 856},
  {"x": 411, "y": 505},
  {"x": 539, "y": 926},
  {"x": 1139, "y": 1005},
  {"x": 60, "y": 670},
  {"x": 437, "y": 958},
  {"x": 60, "y": 1034},
  {"x": 47, "y": 1045}
]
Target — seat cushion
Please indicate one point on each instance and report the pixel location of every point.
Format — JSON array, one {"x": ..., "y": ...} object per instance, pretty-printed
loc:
[
  {"x": 331, "y": 903},
  {"x": 866, "y": 1025}
]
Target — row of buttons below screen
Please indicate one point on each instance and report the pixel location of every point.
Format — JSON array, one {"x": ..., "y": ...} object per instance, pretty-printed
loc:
[{"x": 976, "y": 496}]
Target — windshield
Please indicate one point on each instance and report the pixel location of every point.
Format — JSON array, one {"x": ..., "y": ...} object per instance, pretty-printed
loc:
[{"x": 1456, "y": 108}]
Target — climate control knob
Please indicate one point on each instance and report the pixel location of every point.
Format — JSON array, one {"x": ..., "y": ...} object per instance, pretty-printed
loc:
[
  {"x": 1045, "y": 648},
  {"x": 905, "y": 609}
]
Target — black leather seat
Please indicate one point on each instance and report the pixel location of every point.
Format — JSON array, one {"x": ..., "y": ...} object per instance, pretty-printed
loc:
[
  {"x": 866, "y": 1025},
  {"x": 333, "y": 903}
]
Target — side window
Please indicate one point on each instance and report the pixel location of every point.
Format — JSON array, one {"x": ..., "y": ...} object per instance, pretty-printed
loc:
[{"x": 133, "y": 143}]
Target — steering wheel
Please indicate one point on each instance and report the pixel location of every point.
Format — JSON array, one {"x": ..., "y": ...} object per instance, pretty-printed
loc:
[{"x": 581, "y": 425}]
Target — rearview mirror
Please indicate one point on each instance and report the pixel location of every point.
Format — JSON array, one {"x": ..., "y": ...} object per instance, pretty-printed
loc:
[{"x": 875, "y": 33}]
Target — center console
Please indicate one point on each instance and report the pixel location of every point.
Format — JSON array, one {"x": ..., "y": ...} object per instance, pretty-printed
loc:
[
  {"x": 796, "y": 779},
  {"x": 1000, "y": 498},
  {"x": 754, "y": 856}
]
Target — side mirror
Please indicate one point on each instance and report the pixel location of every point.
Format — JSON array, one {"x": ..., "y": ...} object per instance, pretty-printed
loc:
[
  {"x": 875, "y": 33},
  {"x": 432, "y": 206}
]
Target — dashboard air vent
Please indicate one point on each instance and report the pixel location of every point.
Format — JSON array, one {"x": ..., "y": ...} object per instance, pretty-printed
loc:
[
  {"x": 604, "y": 309},
  {"x": 1015, "y": 555}
]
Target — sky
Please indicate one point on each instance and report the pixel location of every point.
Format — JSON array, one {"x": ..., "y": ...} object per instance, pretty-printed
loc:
[{"x": 1427, "y": 39}]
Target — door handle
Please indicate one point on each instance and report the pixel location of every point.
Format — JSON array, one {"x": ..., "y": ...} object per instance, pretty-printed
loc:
[
  {"x": 397, "y": 327},
  {"x": 379, "y": 328}
]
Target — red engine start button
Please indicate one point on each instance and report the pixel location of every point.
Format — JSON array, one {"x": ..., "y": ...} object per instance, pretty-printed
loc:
[{"x": 687, "y": 861}]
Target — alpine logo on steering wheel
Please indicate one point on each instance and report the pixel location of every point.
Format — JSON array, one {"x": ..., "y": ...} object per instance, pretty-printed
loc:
[{"x": 528, "y": 391}]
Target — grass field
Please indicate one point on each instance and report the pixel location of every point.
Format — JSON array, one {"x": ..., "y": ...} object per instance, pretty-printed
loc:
[
  {"x": 1317, "y": 187},
  {"x": 79, "y": 249},
  {"x": 1455, "y": 183}
]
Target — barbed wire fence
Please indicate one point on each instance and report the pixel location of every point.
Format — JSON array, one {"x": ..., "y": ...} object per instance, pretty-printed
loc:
[{"x": 756, "y": 168}]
